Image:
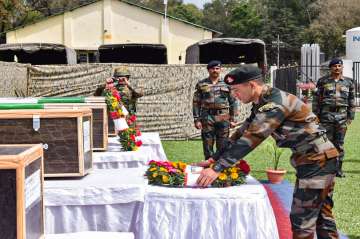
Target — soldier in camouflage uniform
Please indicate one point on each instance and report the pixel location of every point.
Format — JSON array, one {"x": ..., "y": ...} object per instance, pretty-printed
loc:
[
  {"x": 292, "y": 124},
  {"x": 213, "y": 109},
  {"x": 129, "y": 94},
  {"x": 334, "y": 104}
]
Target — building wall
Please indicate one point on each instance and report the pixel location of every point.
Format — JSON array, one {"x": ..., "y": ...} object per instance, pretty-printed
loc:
[
  {"x": 86, "y": 26},
  {"x": 48, "y": 31},
  {"x": 134, "y": 25},
  {"x": 112, "y": 22},
  {"x": 181, "y": 36}
]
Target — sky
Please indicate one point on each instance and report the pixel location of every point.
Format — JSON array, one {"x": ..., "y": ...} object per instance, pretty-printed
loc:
[{"x": 198, "y": 3}]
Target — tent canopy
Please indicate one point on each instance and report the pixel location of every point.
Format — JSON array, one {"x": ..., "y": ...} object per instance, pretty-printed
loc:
[
  {"x": 227, "y": 50},
  {"x": 37, "y": 53},
  {"x": 133, "y": 53}
]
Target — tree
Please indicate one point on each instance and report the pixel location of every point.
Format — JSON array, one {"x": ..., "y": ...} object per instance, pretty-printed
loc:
[
  {"x": 288, "y": 19},
  {"x": 188, "y": 12},
  {"x": 10, "y": 13},
  {"x": 245, "y": 22},
  {"x": 334, "y": 18},
  {"x": 217, "y": 15}
]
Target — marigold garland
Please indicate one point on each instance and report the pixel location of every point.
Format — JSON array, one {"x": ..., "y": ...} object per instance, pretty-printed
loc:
[{"x": 173, "y": 174}]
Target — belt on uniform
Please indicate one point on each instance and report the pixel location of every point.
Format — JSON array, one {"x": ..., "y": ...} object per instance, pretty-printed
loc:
[
  {"x": 321, "y": 139},
  {"x": 334, "y": 108},
  {"x": 322, "y": 148},
  {"x": 217, "y": 111}
]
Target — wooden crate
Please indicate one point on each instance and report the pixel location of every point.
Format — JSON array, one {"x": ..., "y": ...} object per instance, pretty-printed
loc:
[
  {"x": 66, "y": 134},
  {"x": 100, "y": 121},
  {"x": 21, "y": 192},
  {"x": 111, "y": 128}
]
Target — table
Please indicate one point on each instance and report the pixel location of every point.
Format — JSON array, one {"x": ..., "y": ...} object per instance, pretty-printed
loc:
[
  {"x": 151, "y": 139},
  {"x": 127, "y": 159},
  {"x": 104, "y": 200},
  {"x": 192, "y": 213},
  {"x": 91, "y": 235},
  {"x": 121, "y": 201}
]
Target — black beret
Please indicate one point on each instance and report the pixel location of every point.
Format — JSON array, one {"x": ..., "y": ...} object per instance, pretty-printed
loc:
[
  {"x": 335, "y": 61},
  {"x": 212, "y": 64},
  {"x": 243, "y": 74}
]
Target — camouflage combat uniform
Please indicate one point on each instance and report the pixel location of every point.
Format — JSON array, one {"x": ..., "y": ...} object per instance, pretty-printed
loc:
[
  {"x": 129, "y": 97},
  {"x": 292, "y": 124},
  {"x": 334, "y": 104},
  {"x": 214, "y": 106}
]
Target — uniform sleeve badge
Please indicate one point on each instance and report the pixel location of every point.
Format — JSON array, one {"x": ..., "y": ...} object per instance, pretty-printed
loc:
[{"x": 267, "y": 107}]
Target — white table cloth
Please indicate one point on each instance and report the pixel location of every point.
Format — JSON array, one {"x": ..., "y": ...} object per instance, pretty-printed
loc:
[
  {"x": 104, "y": 200},
  {"x": 128, "y": 159},
  {"x": 121, "y": 201},
  {"x": 151, "y": 139},
  {"x": 242, "y": 212},
  {"x": 91, "y": 235}
]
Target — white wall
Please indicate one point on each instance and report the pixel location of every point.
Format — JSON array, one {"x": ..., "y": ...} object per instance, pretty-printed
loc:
[{"x": 112, "y": 22}]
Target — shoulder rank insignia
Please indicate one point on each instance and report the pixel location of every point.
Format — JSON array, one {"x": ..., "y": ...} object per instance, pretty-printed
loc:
[{"x": 267, "y": 107}]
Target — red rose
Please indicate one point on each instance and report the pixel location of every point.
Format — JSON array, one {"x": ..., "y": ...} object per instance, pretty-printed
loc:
[
  {"x": 133, "y": 118},
  {"x": 132, "y": 137},
  {"x": 244, "y": 166},
  {"x": 138, "y": 133},
  {"x": 114, "y": 115},
  {"x": 138, "y": 143},
  {"x": 116, "y": 94}
]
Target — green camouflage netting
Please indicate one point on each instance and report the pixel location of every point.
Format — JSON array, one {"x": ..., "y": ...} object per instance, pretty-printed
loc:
[{"x": 166, "y": 107}]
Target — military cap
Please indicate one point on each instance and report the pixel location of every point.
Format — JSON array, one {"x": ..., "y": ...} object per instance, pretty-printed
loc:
[
  {"x": 335, "y": 61},
  {"x": 214, "y": 63},
  {"x": 243, "y": 74},
  {"x": 121, "y": 71}
]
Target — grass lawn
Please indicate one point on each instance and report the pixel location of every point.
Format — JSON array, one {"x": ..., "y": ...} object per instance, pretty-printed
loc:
[{"x": 347, "y": 190}]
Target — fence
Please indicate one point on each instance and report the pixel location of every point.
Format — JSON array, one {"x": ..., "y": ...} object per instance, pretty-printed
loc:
[{"x": 287, "y": 78}]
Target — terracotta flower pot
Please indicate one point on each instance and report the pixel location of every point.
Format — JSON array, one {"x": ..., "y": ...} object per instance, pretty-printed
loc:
[{"x": 275, "y": 176}]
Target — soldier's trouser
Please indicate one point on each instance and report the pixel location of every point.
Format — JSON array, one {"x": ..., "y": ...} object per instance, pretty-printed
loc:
[
  {"x": 215, "y": 129},
  {"x": 336, "y": 134},
  {"x": 311, "y": 210}
]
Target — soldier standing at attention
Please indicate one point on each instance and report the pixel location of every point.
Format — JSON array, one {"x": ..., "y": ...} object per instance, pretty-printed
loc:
[
  {"x": 334, "y": 104},
  {"x": 292, "y": 124},
  {"x": 213, "y": 109}
]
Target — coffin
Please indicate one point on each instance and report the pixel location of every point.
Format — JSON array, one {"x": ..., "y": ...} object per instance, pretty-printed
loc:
[
  {"x": 65, "y": 133},
  {"x": 96, "y": 104},
  {"x": 111, "y": 127},
  {"x": 21, "y": 192},
  {"x": 100, "y": 121}
]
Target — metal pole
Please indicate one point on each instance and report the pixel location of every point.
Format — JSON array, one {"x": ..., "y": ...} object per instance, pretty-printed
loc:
[
  {"x": 165, "y": 12},
  {"x": 278, "y": 51}
]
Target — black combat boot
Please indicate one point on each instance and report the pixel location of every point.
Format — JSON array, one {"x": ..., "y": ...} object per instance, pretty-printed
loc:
[{"x": 339, "y": 172}]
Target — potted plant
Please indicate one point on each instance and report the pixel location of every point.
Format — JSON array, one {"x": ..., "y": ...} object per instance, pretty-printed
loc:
[{"x": 274, "y": 174}]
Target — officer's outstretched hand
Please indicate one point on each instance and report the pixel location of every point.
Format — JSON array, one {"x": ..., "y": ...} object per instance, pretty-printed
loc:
[
  {"x": 204, "y": 164},
  {"x": 207, "y": 176},
  {"x": 198, "y": 125}
]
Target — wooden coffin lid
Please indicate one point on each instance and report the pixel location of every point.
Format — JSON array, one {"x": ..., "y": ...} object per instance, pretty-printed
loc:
[
  {"x": 75, "y": 105},
  {"x": 95, "y": 99},
  {"x": 44, "y": 113},
  {"x": 15, "y": 155}
]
